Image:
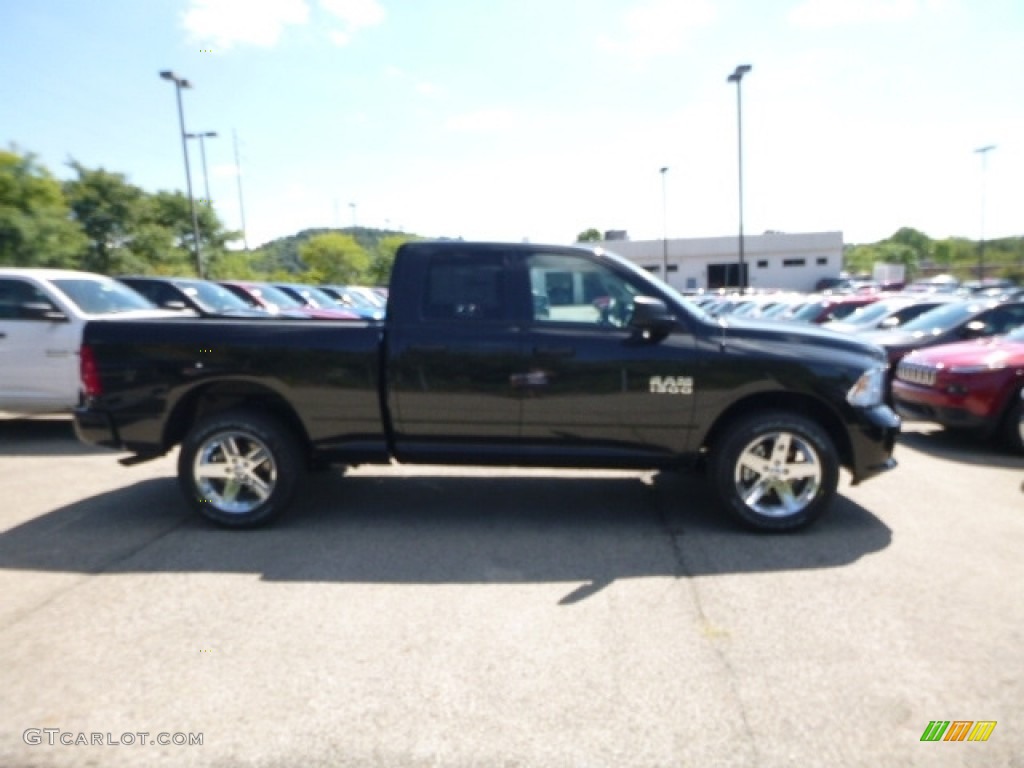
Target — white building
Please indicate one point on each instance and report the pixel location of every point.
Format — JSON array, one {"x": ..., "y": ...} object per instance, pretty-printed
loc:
[{"x": 784, "y": 261}]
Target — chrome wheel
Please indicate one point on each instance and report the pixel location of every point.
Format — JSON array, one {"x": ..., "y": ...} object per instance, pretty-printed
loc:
[
  {"x": 234, "y": 471},
  {"x": 778, "y": 474}
]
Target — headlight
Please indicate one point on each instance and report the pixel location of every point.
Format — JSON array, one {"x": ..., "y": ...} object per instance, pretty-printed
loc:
[{"x": 869, "y": 389}]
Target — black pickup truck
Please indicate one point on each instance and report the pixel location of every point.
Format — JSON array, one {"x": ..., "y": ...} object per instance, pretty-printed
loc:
[{"x": 495, "y": 354}]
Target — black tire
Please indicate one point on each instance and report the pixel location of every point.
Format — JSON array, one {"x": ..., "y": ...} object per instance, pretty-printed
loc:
[
  {"x": 239, "y": 468},
  {"x": 1013, "y": 425},
  {"x": 775, "y": 471}
]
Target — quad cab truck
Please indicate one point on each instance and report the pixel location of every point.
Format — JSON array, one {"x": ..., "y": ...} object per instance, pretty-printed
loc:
[{"x": 495, "y": 354}]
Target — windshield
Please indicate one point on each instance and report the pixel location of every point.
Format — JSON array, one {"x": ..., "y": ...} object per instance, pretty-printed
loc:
[
  {"x": 870, "y": 313},
  {"x": 810, "y": 311},
  {"x": 323, "y": 300},
  {"x": 276, "y": 297},
  {"x": 102, "y": 297},
  {"x": 942, "y": 318},
  {"x": 213, "y": 298}
]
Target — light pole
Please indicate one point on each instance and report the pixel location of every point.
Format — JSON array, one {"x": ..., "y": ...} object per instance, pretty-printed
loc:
[
  {"x": 664, "y": 226},
  {"x": 737, "y": 77},
  {"x": 179, "y": 83},
  {"x": 238, "y": 177},
  {"x": 983, "y": 151},
  {"x": 202, "y": 154}
]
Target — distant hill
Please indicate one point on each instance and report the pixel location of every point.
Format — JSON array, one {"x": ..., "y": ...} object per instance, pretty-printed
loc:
[{"x": 283, "y": 253}]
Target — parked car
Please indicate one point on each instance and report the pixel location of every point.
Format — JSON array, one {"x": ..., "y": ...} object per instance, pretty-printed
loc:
[
  {"x": 42, "y": 314},
  {"x": 955, "y": 321},
  {"x": 887, "y": 313},
  {"x": 313, "y": 297},
  {"x": 205, "y": 298},
  {"x": 826, "y": 308},
  {"x": 355, "y": 301},
  {"x": 281, "y": 304},
  {"x": 976, "y": 385}
]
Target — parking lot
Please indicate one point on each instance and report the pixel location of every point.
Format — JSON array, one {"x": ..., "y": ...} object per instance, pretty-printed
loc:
[{"x": 428, "y": 616}]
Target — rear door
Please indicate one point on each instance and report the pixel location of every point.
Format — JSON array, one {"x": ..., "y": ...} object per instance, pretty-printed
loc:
[
  {"x": 38, "y": 356},
  {"x": 453, "y": 351}
]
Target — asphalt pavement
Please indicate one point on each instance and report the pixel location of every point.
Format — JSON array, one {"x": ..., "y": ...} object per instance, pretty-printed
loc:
[{"x": 433, "y": 616}]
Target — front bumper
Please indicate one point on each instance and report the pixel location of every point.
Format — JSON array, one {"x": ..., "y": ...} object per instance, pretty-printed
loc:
[{"x": 873, "y": 439}]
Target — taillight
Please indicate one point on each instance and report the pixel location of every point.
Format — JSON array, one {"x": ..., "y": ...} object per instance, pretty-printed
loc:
[{"x": 90, "y": 373}]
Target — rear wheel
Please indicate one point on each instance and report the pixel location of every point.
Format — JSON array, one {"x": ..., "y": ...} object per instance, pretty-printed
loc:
[
  {"x": 775, "y": 471},
  {"x": 240, "y": 468}
]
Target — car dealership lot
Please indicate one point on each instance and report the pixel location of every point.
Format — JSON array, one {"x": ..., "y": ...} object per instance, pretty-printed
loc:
[{"x": 438, "y": 616}]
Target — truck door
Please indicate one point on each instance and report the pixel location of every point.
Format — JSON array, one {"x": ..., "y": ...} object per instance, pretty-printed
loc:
[
  {"x": 593, "y": 386},
  {"x": 38, "y": 356},
  {"x": 452, "y": 354}
]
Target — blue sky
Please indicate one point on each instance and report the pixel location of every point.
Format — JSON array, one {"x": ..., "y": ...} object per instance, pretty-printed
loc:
[{"x": 536, "y": 119}]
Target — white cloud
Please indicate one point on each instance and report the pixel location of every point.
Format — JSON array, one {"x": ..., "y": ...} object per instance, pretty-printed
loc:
[
  {"x": 223, "y": 23},
  {"x": 659, "y": 27},
  {"x": 353, "y": 15},
  {"x": 834, "y": 13}
]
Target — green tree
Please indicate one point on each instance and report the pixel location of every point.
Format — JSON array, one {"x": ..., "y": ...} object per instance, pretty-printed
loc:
[
  {"x": 36, "y": 229},
  {"x": 917, "y": 241},
  {"x": 384, "y": 258},
  {"x": 171, "y": 211},
  {"x": 589, "y": 236},
  {"x": 109, "y": 210},
  {"x": 334, "y": 258}
]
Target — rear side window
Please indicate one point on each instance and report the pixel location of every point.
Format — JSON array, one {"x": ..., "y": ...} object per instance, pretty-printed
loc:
[
  {"x": 469, "y": 287},
  {"x": 14, "y": 293}
]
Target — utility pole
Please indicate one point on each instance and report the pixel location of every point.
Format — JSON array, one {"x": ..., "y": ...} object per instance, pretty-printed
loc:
[{"x": 238, "y": 178}]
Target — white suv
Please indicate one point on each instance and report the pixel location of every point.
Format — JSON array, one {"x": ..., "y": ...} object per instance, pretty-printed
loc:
[{"x": 42, "y": 314}]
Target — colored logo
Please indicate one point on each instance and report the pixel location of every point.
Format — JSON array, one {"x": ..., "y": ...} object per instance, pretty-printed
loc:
[{"x": 958, "y": 730}]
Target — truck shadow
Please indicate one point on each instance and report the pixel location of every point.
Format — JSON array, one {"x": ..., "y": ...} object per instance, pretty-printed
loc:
[
  {"x": 442, "y": 529},
  {"x": 51, "y": 436}
]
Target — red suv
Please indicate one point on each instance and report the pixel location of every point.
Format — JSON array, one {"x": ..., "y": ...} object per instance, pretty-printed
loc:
[{"x": 970, "y": 385}]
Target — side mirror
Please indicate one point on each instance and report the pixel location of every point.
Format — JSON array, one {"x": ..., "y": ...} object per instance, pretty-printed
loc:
[
  {"x": 42, "y": 310},
  {"x": 889, "y": 322},
  {"x": 176, "y": 304},
  {"x": 651, "y": 318}
]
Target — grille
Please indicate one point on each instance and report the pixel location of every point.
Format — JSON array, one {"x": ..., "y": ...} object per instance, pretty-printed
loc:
[{"x": 916, "y": 374}]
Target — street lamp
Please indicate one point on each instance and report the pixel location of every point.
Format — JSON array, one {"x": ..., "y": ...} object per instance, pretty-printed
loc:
[
  {"x": 983, "y": 151},
  {"x": 179, "y": 83},
  {"x": 737, "y": 77},
  {"x": 664, "y": 226},
  {"x": 202, "y": 153}
]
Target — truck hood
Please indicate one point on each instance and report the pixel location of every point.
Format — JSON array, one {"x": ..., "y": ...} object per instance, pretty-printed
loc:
[
  {"x": 983, "y": 352},
  {"x": 796, "y": 336}
]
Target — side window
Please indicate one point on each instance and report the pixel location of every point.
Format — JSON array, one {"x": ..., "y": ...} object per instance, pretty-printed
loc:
[
  {"x": 1004, "y": 319},
  {"x": 14, "y": 293},
  {"x": 574, "y": 289},
  {"x": 465, "y": 287}
]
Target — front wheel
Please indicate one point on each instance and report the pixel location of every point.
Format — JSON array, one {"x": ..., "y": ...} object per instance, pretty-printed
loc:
[
  {"x": 775, "y": 471},
  {"x": 1013, "y": 427},
  {"x": 239, "y": 468}
]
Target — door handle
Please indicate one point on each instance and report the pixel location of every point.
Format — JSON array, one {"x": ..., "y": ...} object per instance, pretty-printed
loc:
[
  {"x": 430, "y": 349},
  {"x": 554, "y": 351}
]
